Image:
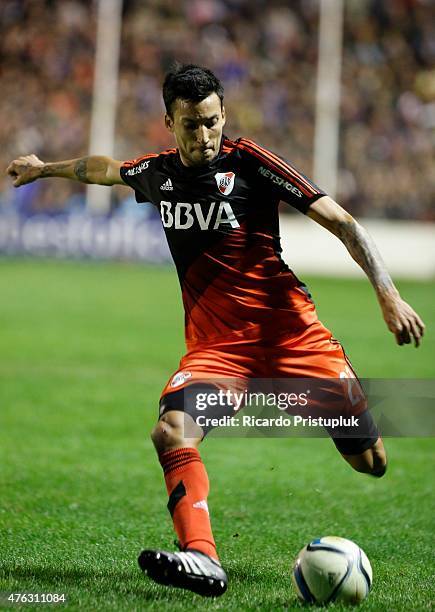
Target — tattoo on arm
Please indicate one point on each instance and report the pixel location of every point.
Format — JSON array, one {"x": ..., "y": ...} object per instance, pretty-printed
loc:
[
  {"x": 364, "y": 251},
  {"x": 48, "y": 170},
  {"x": 92, "y": 169},
  {"x": 81, "y": 169}
]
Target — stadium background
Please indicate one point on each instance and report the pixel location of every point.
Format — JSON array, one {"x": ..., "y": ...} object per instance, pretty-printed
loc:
[
  {"x": 266, "y": 54},
  {"x": 86, "y": 346}
]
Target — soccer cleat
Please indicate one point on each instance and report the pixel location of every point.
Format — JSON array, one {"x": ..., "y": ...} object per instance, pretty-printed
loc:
[{"x": 189, "y": 569}]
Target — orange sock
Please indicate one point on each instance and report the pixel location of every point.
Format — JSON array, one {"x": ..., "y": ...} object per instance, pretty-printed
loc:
[{"x": 187, "y": 484}]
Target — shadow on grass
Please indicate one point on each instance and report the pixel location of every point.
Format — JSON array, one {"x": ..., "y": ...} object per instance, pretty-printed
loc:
[
  {"x": 97, "y": 582},
  {"x": 109, "y": 584}
]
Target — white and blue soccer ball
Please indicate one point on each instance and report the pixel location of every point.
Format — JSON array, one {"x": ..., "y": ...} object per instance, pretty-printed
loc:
[{"x": 332, "y": 569}]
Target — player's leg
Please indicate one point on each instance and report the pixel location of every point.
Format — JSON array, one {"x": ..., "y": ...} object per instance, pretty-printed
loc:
[
  {"x": 176, "y": 438},
  {"x": 196, "y": 567},
  {"x": 186, "y": 480}
]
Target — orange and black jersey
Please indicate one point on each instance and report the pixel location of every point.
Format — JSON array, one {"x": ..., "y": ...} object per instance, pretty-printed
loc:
[{"x": 222, "y": 226}]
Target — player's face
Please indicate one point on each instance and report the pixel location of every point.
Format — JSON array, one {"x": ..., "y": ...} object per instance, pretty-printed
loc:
[{"x": 197, "y": 127}]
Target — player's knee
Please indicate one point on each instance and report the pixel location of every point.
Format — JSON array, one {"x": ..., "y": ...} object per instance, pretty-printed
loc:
[
  {"x": 379, "y": 462},
  {"x": 375, "y": 468},
  {"x": 380, "y": 471},
  {"x": 169, "y": 432},
  {"x": 365, "y": 466},
  {"x": 166, "y": 435},
  {"x": 378, "y": 459},
  {"x": 373, "y": 461}
]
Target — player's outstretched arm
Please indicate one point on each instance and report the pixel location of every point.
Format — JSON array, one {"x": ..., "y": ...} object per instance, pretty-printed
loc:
[
  {"x": 400, "y": 318},
  {"x": 96, "y": 169}
]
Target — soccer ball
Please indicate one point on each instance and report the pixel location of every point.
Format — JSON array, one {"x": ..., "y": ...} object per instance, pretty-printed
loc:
[{"x": 332, "y": 569}]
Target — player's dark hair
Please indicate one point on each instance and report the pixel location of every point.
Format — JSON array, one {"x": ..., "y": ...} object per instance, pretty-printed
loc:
[{"x": 190, "y": 82}]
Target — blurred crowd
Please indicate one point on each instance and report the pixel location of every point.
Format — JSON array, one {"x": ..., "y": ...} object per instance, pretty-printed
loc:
[{"x": 265, "y": 52}]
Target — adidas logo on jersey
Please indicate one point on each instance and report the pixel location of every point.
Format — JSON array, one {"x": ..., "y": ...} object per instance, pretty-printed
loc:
[{"x": 167, "y": 185}]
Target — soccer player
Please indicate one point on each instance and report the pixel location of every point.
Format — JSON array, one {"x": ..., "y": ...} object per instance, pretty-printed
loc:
[{"x": 247, "y": 314}]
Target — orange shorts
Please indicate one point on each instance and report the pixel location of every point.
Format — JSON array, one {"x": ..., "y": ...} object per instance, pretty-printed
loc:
[
  {"x": 313, "y": 353},
  {"x": 276, "y": 365}
]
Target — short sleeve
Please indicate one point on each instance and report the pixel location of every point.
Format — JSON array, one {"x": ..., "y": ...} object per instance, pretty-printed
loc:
[
  {"x": 278, "y": 176},
  {"x": 137, "y": 174}
]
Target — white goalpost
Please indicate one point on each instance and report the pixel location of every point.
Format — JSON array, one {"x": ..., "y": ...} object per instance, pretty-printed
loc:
[
  {"x": 104, "y": 100},
  {"x": 327, "y": 121}
]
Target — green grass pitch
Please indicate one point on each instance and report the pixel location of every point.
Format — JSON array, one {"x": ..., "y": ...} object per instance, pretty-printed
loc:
[{"x": 85, "y": 349}]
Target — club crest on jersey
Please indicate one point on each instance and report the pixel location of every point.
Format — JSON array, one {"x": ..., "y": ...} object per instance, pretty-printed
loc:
[{"x": 225, "y": 182}]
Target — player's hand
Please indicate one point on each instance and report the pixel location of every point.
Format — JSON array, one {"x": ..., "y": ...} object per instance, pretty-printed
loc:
[
  {"x": 24, "y": 170},
  {"x": 402, "y": 321}
]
